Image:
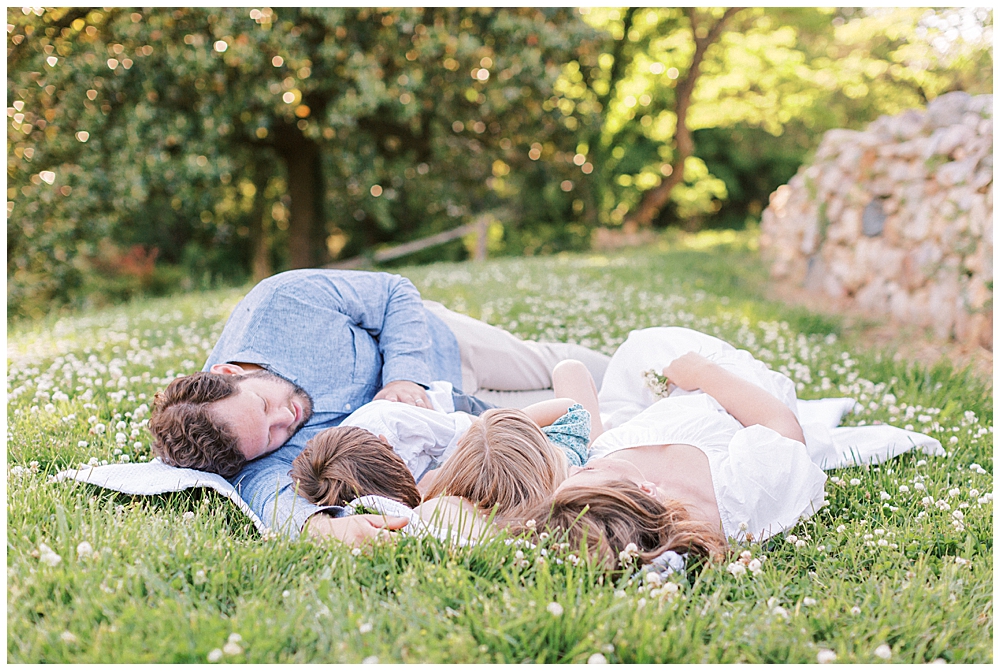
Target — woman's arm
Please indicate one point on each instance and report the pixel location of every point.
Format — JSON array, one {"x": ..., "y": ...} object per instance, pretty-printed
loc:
[
  {"x": 571, "y": 379},
  {"x": 745, "y": 401}
]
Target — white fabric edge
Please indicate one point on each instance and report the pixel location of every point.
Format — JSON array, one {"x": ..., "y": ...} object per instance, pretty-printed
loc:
[{"x": 155, "y": 477}]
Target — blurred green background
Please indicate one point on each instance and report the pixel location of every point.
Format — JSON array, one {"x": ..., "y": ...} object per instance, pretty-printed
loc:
[{"x": 157, "y": 150}]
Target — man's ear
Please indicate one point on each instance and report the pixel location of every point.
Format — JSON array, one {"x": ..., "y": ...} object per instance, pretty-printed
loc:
[{"x": 227, "y": 369}]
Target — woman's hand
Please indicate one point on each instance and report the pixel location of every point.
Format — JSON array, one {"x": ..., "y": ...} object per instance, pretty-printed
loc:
[{"x": 688, "y": 371}]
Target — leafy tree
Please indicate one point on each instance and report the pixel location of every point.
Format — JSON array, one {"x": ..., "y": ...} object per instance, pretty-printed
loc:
[{"x": 225, "y": 139}]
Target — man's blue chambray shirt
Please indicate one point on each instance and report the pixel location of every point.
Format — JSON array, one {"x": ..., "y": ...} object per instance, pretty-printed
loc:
[{"x": 341, "y": 335}]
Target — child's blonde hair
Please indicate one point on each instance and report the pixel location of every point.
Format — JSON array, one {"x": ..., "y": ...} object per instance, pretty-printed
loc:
[{"x": 504, "y": 461}]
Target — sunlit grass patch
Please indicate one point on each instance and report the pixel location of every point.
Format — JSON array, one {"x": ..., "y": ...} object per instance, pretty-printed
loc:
[{"x": 898, "y": 563}]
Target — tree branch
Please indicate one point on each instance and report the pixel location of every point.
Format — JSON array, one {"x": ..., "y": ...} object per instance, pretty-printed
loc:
[{"x": 654, "y": 199}]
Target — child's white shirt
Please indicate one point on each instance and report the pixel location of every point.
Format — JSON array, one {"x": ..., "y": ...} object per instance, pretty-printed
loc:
[{"x": 422, "y": 437}]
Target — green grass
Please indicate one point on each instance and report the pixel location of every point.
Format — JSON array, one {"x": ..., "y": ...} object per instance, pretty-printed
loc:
[{"x": 174, "y": 578}]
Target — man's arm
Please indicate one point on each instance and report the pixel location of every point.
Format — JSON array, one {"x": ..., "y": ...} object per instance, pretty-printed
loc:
[
  {"x": 745, "y": 401},
  {"x": 389, "y": 308}
]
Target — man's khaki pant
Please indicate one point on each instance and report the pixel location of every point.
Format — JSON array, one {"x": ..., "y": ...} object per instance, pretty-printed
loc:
[{"x": 503, "y": 369}]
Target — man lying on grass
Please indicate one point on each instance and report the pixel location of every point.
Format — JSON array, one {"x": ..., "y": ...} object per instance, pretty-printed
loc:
[{"x": 302, "y": 351}]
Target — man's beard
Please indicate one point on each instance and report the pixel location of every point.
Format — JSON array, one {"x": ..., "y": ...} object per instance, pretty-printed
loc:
[{"x": 298, "y": 393}]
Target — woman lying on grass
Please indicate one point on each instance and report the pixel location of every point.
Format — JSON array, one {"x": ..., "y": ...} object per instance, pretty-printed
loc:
[{"x": 722, "y": 456}]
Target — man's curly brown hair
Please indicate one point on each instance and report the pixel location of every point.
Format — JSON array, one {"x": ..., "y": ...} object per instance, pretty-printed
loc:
[{"x": 186, "y": 435}]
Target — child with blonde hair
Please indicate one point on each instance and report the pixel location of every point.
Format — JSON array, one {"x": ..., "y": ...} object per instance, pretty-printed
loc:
[{"x": 497, "y": 465}]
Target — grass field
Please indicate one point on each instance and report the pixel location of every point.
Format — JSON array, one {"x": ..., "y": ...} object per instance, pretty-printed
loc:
[{"x": 897, "y": 568}]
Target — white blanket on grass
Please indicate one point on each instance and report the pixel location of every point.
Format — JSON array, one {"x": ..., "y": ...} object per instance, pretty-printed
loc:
[{"x": 830, "y": 446}]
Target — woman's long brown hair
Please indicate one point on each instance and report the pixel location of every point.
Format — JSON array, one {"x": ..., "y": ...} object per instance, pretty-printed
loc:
[{"x": 606, "y": 518}]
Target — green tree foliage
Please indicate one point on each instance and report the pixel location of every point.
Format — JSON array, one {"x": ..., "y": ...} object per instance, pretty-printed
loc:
[
  {"x": 175, "y": 147},
  {"x": 229, "y": 139},
  {"x": 791, "y": 73}
]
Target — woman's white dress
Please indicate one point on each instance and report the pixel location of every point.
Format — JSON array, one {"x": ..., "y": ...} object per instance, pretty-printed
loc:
[{"x": 764, "y": 483}]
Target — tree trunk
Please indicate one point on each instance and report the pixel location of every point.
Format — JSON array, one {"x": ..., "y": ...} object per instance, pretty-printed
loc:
[
  {"x": 306, "y": 232},
  {"x": 259, "y": 238},
  {"x": 654, "y": 199}
]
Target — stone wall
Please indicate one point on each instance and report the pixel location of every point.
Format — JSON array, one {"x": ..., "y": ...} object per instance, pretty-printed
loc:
[{"x": 897, "y": 219}]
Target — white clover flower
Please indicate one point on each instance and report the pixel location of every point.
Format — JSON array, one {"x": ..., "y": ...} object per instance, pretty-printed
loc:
[
  {"x": 215, "y": 655},
  {"x": 356, "y": 552},
  {"x": 597, "y": 658},
  {"x": 943, "y": 505},
  {"x": 630, "y": 552},
  {"x": 841, "y": 529},
  {"x": 188, "y": 515},
  {"x": 755, "y": 566},
  {"x": 530, "y": 524},
  {"x": 922, "y": 462},
  {"x": 800, "y": 543},
  {"x": 778, "y": 610},
  {"x": 953, "y": 440},
  {"x": 737, "y": 569},
  {"x": 67, "y": 637},
  {"x": 885, "y": 496},
  {"x": 791, "y": 538},
  {"x": 958, "y": 515},
  {"x": 919, "y": 486},
  {"x": 652, "y": 578},
  {"x": 855, "y": 611},
  {"x": 855, "y": 482},
  {"x": 809, "y": 601},
  {"x": 903, "y": 489},
  {"x": 973, "y": 493},
  {"x": 555, "y": 609},
  {"x": 84, "y": 550},
  {"x": 882, "y": 542},
  {"x": 825, "y": 656},
  {"x": 47, "y": 555},
  {"x": 234, "y": 638},
  {"x": 883, "y": 651},
  {"x": 232, "y": 649},
  {"x": 962, "y": 561},
  {"x": 365, "y": 627},
  {"x": 82, "y": 443},
  {"x": 619, "y": 593}
]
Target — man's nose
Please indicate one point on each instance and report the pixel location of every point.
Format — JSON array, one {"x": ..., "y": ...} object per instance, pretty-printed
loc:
[{"x": 283, "y": 416}]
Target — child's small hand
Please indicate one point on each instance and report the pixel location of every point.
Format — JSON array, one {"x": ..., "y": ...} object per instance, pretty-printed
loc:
[
  {"x": 687, "y": 370},
  {"x": 355, "y": 530}
]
